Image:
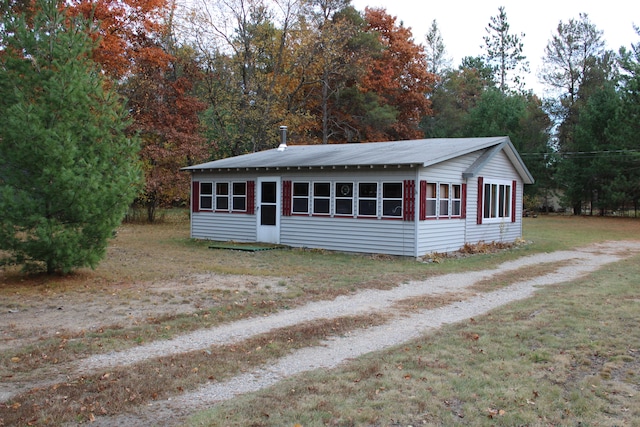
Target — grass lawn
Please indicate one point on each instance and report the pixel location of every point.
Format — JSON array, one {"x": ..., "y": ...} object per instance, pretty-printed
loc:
[{"x": 568, "y": 356}]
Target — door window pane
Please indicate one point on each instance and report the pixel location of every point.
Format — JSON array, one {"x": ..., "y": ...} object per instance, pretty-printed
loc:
[
  {"x": 268, "y": 192},
  {"x": 268, "y": 215}
]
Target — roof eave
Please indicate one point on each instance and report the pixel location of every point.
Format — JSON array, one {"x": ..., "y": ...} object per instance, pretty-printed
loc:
[{"x": 299, "y": 167}]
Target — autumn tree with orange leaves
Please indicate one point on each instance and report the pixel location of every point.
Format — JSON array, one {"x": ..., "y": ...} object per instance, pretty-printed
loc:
[
  {"x": 255, "y": 59},
  {"x": 165, "y": 117},
  {"x": 127, "y": 31},
  {"x": 330, "y": 73},
  {"x": 136, "y": 50},
  {"x": 399, "y": 76},
  {"x": 339, "y": 49},
  {"x": 368, "y": 81}
]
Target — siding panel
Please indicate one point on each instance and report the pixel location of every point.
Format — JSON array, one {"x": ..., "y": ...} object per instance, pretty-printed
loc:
[
  {"x": 440, "y": 235},
  {"x": 349, "y": 234},
  {"x": 223, "y": 226}
]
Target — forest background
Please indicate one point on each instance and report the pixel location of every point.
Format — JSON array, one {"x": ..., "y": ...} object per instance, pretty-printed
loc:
[{"x": 208, "y": 79}]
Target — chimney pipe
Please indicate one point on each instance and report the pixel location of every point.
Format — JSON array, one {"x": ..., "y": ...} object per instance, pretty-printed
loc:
[{"x": 283, "y": 138}]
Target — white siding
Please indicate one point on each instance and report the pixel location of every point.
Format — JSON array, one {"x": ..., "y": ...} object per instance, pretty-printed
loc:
[
  {"x": 450, "y": 170},
  {"x": 363, "y": 174},
  {"x": 440, "y": 235},
  {"x": 444, "y": 235},
  {"x": 503, "y": 231},
  {"x": 394, "y": 237},
  {"x": 223, "y": 226}
]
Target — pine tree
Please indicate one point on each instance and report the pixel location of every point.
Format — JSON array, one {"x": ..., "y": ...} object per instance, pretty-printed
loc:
[
  {"x": 68, "y": 172},
  {"x": 436, "y": 53},
  {"x": 504, "y": 51}
]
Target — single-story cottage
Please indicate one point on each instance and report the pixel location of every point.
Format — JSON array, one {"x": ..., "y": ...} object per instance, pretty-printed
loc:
[{"x": 407, "y": 198}]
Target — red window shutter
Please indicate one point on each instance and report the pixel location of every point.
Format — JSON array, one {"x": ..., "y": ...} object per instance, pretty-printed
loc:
[
  {"x": 480, "y": 196},
  {"x": 513, "y": 200},
  {"x": 409, "y": 200},
  {"x": 463, "y": 202},
  {"x": 423, "y": 200},
  {"x": 286, "y": 198},
  {"x": 195, "y": 196},
  {"x": 251, "y": 197}
]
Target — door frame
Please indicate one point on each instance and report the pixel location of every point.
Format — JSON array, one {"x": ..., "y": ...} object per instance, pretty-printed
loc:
[{"x": 268, "y": 233}]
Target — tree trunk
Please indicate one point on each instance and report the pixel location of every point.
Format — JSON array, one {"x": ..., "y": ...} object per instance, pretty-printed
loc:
[{"x": 325, "y": 109}]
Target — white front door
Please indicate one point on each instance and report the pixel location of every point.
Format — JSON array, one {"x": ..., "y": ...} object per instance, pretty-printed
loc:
[{"x": 268, "y": 210}]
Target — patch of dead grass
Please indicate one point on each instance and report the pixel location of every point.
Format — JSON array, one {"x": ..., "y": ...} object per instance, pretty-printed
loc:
[
  {"x": 430, "y": 302},
  {"x": 507, "y": 278}
]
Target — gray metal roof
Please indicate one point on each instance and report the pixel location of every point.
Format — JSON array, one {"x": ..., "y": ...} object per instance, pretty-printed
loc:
[{"x": 420, "y": 152}]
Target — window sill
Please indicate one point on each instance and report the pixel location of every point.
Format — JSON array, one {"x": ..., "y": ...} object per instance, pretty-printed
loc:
[{"x": 496, "y": 220}]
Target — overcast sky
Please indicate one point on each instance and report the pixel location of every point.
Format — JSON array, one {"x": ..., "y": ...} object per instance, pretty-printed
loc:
[{"x": 463, "y": 22}]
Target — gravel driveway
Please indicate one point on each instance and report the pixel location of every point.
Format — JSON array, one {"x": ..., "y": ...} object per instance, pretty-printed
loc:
[{"x": 340, "y": 349}]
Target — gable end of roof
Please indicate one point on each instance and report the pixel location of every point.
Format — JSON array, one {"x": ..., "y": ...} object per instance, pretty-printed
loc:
[{"x": 475, "y": 168}]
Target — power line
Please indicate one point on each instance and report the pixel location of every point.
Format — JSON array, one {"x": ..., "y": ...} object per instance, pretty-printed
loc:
[{"x": 583, "y": 154}]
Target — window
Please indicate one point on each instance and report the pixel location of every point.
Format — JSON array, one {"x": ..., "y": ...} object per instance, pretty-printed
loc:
[
  {"x": 392, "y": 199},
  {"x": 344, "y": 198},
  {"x": 497, "y": 200},
  {"x": 444, "y": 200},
  {"x": 228, "y": 197},
  {"x": 441, "y": 200},
  {"x": 222, "y": 196},
  {"x": 239, "y": 198},
  {"x": 450, "y": 200},
  {"x": 300, "y": 197},
  {"x": 321, "y": 197},
  {"x": 368, "y": 199},
  {"x": 206, "y": 195},
  {"x": 456, "y": 200},
  {"x": 431, "y": 199}
]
